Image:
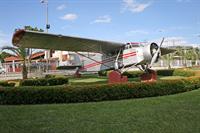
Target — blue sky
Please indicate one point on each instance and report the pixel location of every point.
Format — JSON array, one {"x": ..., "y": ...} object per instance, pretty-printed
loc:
[{"x": 113, "y": 20}]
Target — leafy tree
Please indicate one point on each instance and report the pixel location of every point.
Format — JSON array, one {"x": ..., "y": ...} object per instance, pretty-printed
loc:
[{"x": 33, "y": 29}]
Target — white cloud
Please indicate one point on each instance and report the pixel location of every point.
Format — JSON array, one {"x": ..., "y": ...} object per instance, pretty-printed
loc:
[
  {"x": 102, "y": 19},
  {"x": 69, "y": 17},
  {"x": 134, "y": 6},
  {"x": 137, "y": 32},
  {"x": 61, "y": 7}
]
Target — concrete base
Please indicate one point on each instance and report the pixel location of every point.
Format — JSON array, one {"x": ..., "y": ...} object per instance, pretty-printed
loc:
[
  {"x": 116, "y": 77},
  {"x": 149, "y": 77}
]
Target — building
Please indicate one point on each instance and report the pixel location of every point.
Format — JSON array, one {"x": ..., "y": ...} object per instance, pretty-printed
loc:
[{"x": 14, "y": 63}]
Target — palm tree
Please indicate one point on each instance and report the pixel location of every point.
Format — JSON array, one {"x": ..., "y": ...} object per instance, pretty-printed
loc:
[
  {"x": 22, "y": 53},
  {"x": 169, "y": 59},
  {"x": 3, "y": 55},
  {"x": 197, "y": 55}
]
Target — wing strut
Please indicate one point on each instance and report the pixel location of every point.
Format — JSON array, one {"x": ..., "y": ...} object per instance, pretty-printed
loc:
[
  {"x": 116, "y": 60},
  {"x": 92, "y": 59}
]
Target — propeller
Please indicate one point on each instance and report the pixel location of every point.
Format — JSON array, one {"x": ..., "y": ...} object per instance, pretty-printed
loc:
[{"x": 156, "y": 54}]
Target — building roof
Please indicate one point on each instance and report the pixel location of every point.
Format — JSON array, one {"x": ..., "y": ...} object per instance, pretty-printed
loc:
[
  {"x": 12, "y": 58},
  {"x": 17, "y": 58},
  {"x": 36, "y": 55}
]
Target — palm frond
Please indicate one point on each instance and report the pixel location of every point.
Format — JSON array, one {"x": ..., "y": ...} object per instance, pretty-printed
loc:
[
  {"x": 21, "y": 52},
  {"x": 9, "y": 48}
]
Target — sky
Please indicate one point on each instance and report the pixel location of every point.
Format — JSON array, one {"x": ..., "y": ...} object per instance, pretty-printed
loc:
[{"x": 111, "y": 20}]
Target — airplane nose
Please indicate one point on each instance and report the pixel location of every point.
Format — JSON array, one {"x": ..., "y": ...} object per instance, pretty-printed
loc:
[{"x": 153, "y": 48}]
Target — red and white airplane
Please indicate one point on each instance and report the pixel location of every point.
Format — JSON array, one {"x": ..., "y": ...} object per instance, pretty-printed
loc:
[{"x": 114, "y": 55}]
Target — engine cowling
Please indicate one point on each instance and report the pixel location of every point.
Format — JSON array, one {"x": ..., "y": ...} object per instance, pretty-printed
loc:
[{"x": 149, "y": 51}]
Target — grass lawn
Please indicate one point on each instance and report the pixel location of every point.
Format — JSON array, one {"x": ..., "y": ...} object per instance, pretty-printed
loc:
[
  {"x": 87, "y": 80},
  {"x": 167, "y": 114},
  {"x": 171, "y": 77}
]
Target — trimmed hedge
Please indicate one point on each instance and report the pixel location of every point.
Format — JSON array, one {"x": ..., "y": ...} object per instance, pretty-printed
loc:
[
  {"x": 6, "y": 84},
  {"x": 50, "y": 76},
  {"x": 176, "y": 72},
  {"x": 133, "y": 74},
  {"x": 67, "y": 67},
  {"x": 183, "y": 72},
  {"x": 102, "y": 73},
  {"x": 91, "y": 93},
  {"x": 44, "y": 81},
  {"x": 165, "y": 72}
]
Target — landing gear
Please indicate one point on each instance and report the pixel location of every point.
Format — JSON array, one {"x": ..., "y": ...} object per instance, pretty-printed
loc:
[
  {"x": 116, "y": 76},
  {"x": 77, "y": 73}
]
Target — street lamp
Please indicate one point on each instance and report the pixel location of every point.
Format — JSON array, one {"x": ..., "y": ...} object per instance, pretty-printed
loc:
[
  {"x": 47, "y": 52},
  {"x": 47, "y": 14}
]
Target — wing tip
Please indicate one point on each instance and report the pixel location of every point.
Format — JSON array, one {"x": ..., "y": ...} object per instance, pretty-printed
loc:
[{"x": 17, "y": 36}]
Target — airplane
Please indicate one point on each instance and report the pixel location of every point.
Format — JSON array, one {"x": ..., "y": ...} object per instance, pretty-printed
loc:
[{"x": 114, "y": 55}]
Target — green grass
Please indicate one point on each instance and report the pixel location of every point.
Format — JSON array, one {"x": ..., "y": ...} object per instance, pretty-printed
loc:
[
  {"x": 171, "y": 77},
  {"x": 175, "y": 113},
  {"x": 88, "y": 80}
]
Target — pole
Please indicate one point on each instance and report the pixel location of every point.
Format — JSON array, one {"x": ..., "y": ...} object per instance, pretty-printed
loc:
[
  {"x": 47, "y": 27},
  {"x": 47, "y": 52},
  {"x": 47, "y": 17}
]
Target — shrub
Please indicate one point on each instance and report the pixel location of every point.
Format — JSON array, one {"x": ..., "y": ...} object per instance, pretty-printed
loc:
[
  {"x": 44, "y": 82},
  {"x": 71, "y": 94},
  {"x": 50, "y": 76},
  {"x": 102, "y": 73},
  {"x": 165, "y": 72},
  {"x": 183, "y": 72},
  {"x": 176, "y": 72},
  {"x": 67, "y": 67},
  {"x": 132, "y": 74},
  {"x": 6, "y": 84}
]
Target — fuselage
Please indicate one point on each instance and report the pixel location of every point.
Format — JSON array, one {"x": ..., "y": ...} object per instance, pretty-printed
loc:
[{"x": 131, "y": 54}]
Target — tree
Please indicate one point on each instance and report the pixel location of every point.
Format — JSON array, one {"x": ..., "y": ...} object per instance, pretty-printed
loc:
[
  {"x": 168, "y": 58},
  {"x": 22, "y": 53},
  {"x": 33, "y": 29}
]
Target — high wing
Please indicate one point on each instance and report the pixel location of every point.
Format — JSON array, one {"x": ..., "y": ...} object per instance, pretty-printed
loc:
[{"x": 31, "y": 39}]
